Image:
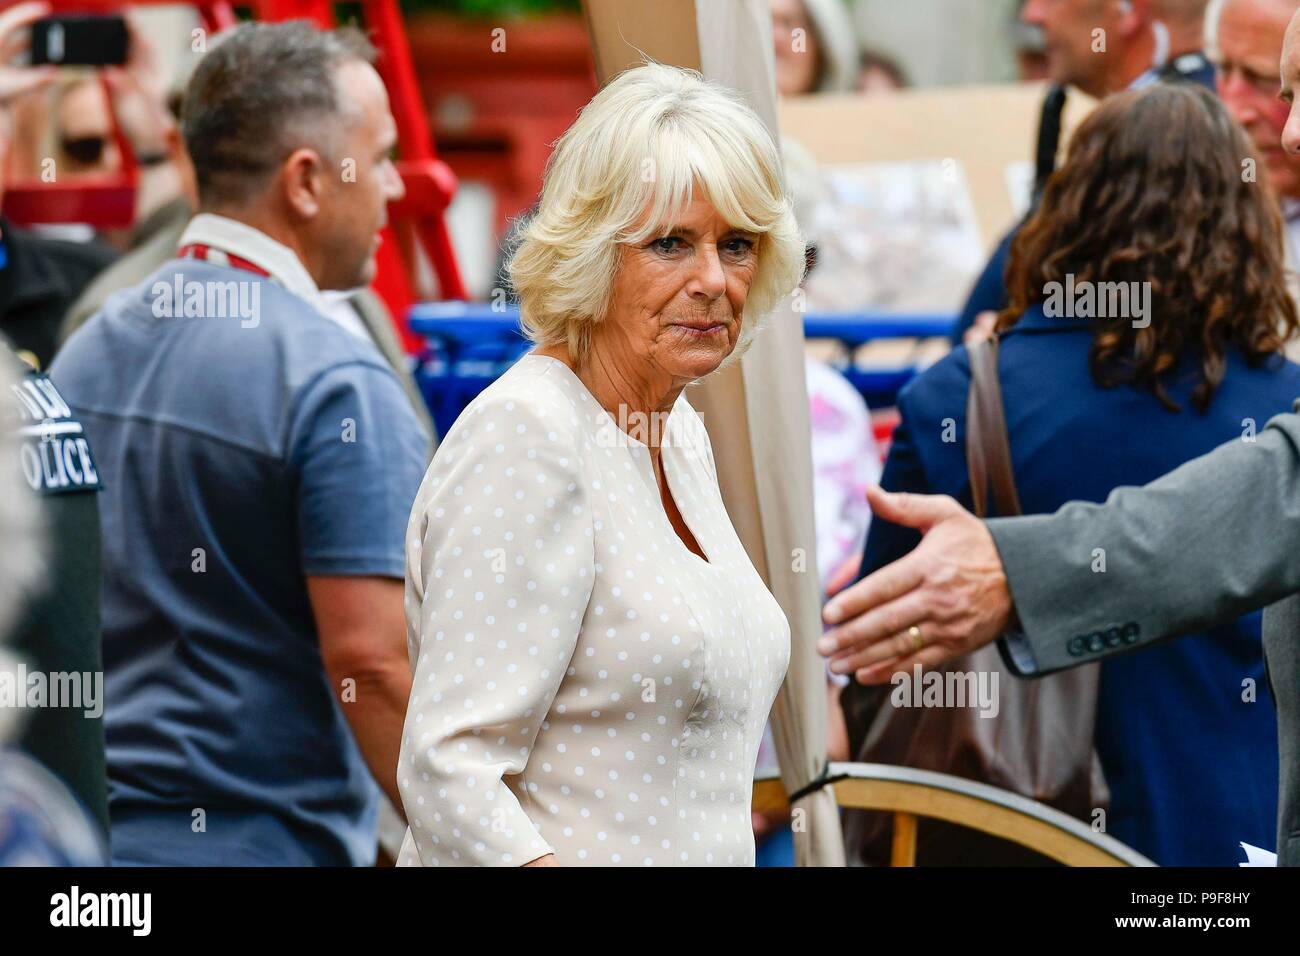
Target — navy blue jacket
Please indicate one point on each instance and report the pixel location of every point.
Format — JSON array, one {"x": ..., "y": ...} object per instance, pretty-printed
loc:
[{"x": 1192, "y": 767}]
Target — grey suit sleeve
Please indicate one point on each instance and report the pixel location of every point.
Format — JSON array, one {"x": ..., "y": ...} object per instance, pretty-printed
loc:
[{"x": 1212, "y": 540}]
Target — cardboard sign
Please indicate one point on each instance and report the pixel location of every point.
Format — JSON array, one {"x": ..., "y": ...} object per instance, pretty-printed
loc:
[{"x": 990, "y": 131}]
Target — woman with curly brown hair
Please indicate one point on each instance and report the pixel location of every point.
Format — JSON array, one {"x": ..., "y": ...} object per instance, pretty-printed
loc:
[{"x": 1148, "y": 313}]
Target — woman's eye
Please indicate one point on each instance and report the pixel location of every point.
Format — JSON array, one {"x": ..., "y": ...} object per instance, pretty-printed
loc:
[
  {"x": 667, "y": 244},
  {"x": 738, "y": 247}
]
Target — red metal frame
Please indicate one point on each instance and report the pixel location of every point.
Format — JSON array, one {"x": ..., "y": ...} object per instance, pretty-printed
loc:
[{"x": 109, "y": 201}]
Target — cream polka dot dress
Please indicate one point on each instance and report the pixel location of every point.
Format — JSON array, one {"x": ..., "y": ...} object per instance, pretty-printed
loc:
[{"x": 585, "y": 685}]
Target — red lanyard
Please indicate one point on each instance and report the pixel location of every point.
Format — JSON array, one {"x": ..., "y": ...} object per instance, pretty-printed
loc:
[{"x": 197, "y": 250}]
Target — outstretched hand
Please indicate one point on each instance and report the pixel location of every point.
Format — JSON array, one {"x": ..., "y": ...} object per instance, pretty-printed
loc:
[{"x": 947, "y": 598}]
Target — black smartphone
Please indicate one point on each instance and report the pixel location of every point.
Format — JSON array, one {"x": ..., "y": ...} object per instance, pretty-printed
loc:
[{"x": 79, "y": 41}]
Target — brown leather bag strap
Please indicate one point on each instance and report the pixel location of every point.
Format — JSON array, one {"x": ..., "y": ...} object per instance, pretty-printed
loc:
[{"x": 988, "y": 451}]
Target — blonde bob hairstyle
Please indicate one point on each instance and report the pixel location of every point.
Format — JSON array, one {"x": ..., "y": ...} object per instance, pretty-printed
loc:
[{"x": 623, "y": 172}]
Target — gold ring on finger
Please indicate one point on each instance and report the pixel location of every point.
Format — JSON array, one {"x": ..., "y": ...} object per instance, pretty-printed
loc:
[{"x": 918, "y": 641}]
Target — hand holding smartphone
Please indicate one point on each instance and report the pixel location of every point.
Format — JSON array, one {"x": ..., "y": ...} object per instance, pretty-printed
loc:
[{"x": 79, "y": 41}]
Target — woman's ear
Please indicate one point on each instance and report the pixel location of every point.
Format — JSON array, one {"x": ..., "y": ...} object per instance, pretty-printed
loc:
[{"x": 302, "y": 181}]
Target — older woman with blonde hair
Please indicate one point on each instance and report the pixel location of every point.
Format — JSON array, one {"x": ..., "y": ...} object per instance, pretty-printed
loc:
[{"x": 594, "y": 654}]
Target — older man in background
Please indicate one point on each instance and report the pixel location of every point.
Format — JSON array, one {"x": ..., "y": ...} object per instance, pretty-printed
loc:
[
  {"x": 1101, "y": 47},
  {"x": 1248, "y": 36},
  {"x": 259, "y": 461}
]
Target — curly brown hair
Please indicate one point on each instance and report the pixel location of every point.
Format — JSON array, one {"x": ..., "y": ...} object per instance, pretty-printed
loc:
[{"x": 1154, "y": 190}]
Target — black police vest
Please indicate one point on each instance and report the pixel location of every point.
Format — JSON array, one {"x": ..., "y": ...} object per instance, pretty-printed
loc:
[
  {"x": 60, "y": 630},
  {"x": 54, "y": 452}
]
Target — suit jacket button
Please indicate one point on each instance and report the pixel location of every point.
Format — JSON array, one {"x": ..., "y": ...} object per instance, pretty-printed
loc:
[
  {"x": 1075, "y": 647},
  {"x": 1095, "y": 642},
  {"x": 1131, "y": 631},
  {"x": 1113, "y": 637}
]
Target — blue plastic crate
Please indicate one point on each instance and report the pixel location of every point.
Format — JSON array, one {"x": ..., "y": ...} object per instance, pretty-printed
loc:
[{"x": 469, "y": 344}]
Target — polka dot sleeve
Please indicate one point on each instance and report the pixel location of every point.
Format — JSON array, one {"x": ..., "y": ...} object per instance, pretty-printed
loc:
[{"x": 505, "y": 558}]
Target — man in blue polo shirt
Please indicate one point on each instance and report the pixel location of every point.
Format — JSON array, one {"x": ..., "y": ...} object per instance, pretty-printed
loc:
[{"x": 259, "y": 459}]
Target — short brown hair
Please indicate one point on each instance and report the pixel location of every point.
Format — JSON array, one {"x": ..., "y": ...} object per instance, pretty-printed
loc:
[
  {"x": 263, "y": 91},
  {"x": 1156, "y": 190}
]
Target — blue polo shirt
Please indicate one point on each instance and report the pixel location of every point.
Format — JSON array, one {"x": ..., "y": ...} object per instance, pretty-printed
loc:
[{"x": 240, "y": 450}]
